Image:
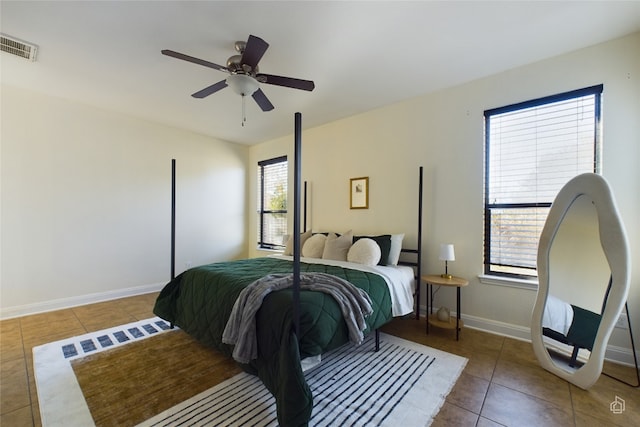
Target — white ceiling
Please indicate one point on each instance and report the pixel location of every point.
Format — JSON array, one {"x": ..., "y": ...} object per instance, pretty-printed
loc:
[{"x": 361, "y": 55}]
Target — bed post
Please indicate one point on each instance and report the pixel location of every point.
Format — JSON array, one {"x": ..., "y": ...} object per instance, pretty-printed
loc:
[
  {"x": 419, "y": 267},
  {"x": 173, "y": 223},
  {"x": 296, "y": 222},
  {"x": 304, "y": 213},
  {"x": 173, "y": 219}
]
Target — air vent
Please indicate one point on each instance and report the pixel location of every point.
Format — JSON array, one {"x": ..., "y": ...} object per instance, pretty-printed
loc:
[{"x": 18, "y": 47}]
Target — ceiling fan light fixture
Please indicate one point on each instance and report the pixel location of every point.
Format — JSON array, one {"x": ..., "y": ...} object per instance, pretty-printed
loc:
[{"x": 242, "y": 84}]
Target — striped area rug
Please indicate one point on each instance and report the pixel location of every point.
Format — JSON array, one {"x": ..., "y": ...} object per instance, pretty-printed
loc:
[{"x": 403, "y": 384}]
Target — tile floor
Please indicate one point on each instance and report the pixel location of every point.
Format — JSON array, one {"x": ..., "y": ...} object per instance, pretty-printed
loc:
[{"x": 502, "y": 383}]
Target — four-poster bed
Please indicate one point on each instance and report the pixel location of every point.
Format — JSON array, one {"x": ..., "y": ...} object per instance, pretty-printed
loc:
[{"x": 291, "y": 323}]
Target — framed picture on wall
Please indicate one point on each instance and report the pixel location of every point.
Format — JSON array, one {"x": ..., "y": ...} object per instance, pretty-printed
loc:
[{"x": 359, "y": 193}]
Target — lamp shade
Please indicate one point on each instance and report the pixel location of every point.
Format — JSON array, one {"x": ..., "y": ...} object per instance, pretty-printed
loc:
[
  {"x": 446, "y": 252},
  {"x": 242, "y": 84}
]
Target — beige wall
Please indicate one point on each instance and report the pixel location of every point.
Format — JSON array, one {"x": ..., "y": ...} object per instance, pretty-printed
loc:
[
  {"x": 86, "y": 193},
  {"x": 86, "y": 199},
  {"x": 444, "y": 133}
]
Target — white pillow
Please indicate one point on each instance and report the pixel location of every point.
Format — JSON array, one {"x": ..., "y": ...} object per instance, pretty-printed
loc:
[
  {"x": 365, "y": 251},
  {"x": 396, "y": 247},
  {"x": 314, "y": 246},
  {"x": 288, "y": 247},
  {"x": 337, "y": 247}
]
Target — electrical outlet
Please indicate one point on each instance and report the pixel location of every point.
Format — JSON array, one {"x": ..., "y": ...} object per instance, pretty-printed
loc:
[
  {"x": 188, "y": 264},
  {"x": 622, "y": 321}
]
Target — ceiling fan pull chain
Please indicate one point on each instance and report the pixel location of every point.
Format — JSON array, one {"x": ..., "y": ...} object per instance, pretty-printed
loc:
[{"x": 244, "y": 113}]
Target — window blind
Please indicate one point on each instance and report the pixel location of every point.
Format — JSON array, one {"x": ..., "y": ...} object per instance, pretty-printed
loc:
[
  {"x": 272, "y": 202},
  {"x": 532, "y": 150}
]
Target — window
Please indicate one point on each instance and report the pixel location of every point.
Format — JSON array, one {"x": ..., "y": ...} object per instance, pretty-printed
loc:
[
  {"x": 272, "y": 202},
  {"x": 531, "y": 150}
]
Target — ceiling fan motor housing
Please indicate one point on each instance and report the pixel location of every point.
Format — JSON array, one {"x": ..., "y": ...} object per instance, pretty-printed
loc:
[
  {"x": 235, "y": 66},
  {"x": 233, "y": 63}
]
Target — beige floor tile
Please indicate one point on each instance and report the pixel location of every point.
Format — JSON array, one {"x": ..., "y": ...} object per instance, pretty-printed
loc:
[
  {"x": 33, "y": 390},
  {"x": 596, "y": 402},
  {"x": 19, "y": 418},
  {"x": 482, "y": 350},
  {"x": 141, "y": 306},
  {"x": 587, "y": 420},
  {"x": 481, "y": 365},
  {"x": 513, "y": 408},
  {"x": 11, "y": 344},
  {"x": 520, "y": 351},
  {"x": 12, "y": 368},
  {"x": 35, "y": 412},
  {"x": 96, "y": 317},
  {"x": 106, "y": 321},
  {"x": 479, "y": 341},
  {"x": 621, "y": 372},
  {"x": 469, "y": 393},
  {"x": 404, "y": 326},
  {"x": 43, "y": 328},
  {"x": 530, "y": 378},
  {"x": 15, "y": 393},
  {"x": 41, "y": 320},
  {"x": 9, "y": 325},
  {"x": 485, "y": 422},
  {"x": 40, "y": 338},
  {"x": 451, "y": 415}
]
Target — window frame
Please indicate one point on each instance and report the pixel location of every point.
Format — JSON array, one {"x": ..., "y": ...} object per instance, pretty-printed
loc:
[
  {"x": 262, "y": 212},
  {"x": 488, "y": 266}
]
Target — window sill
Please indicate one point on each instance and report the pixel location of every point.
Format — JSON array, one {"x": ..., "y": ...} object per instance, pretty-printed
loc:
[
  {"x": 269, "y": 250},
  {"x": 531, "y": 284}
]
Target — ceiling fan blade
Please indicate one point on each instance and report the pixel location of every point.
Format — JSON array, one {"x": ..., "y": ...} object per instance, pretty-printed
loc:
[
  {"x": 262, "y": 101},
  {"x": 286, "y": 81},
  {"x": 198, "y": 61},
  {"x": 210, "y": 89},
  {"x": 253, "y": 51}
]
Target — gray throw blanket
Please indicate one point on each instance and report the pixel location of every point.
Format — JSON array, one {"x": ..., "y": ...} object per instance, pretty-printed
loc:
[{"x": 240, "y": 330}]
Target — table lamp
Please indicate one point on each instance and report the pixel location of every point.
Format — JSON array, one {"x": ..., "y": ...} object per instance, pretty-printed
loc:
[{"x": 447, "y": 254}]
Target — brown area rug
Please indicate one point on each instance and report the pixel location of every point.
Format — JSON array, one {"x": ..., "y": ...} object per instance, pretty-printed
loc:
[
  {"x": 129, "y": 384},
  {"x": 145, "y": 373}
]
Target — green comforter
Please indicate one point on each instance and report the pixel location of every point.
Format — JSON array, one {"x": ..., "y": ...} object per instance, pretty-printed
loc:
[{"x": 200, "y": 300}]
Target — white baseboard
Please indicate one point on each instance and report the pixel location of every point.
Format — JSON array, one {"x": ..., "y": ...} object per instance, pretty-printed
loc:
[
  {"x": 62, "y": 303},
  {"x": 613, "y": 353},
  {"x": 518, "y": 332},
  {"x": 621, "y": 355}
]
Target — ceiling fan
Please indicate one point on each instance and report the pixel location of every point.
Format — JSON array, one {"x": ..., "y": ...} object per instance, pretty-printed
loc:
[{"x": 244, "y": 76}]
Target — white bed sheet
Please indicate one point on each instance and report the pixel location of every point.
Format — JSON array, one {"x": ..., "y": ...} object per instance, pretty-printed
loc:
[
  {"x": 400, "y": 280},
  {"x": 558, "y": 315}
]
